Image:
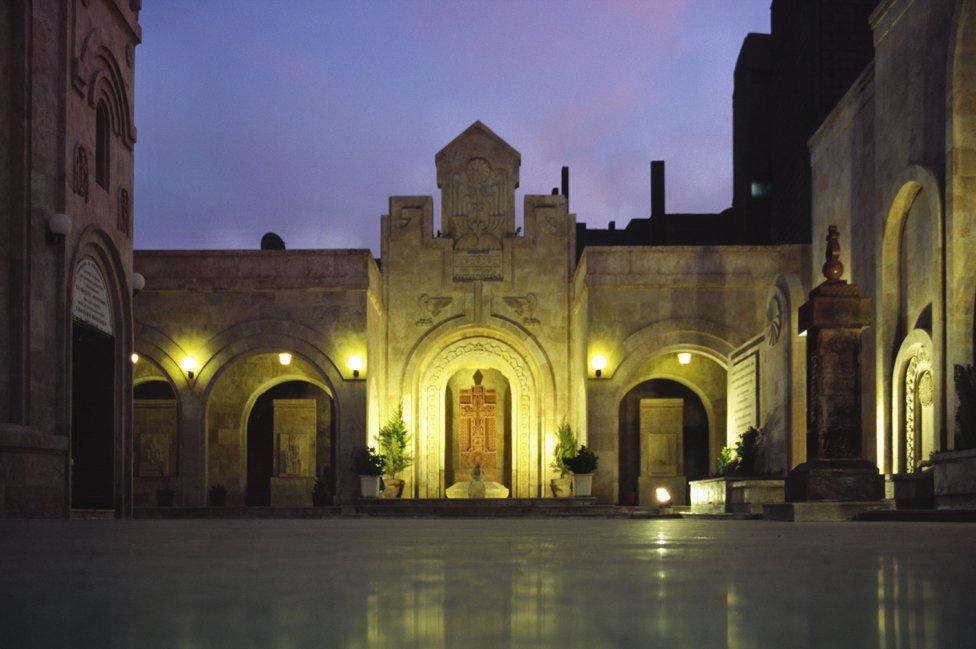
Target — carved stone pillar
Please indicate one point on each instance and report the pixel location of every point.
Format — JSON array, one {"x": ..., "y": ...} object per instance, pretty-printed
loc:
[{"x": 834, "y": 317}]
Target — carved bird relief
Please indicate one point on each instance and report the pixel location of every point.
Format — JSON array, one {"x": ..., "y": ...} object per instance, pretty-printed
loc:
[
  {"x": 431, "y": 307},
  {"x": 524, "y": 306}
]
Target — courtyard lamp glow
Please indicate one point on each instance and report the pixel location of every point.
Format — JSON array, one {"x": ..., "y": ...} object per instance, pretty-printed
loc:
[
  {"x": 684, "y": 358},
  {"x": 284, "y": 358},
  {"x": 599, "y": 363},
  {"x": 355, "y": 363},
  {"x": 134, "y": 358},
  {"x": 189, "y": 365},
  {"x": 662, "y": 496}
]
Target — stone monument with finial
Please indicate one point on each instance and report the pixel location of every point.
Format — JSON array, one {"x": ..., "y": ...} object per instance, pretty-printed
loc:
[{"x": 834, "y": 317}]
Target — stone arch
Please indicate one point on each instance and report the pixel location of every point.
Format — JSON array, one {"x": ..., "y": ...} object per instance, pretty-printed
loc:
[
  {"x": 960, "y": 196},
  {"x": 230, "y": 395},
  {"x": 912, "y": 434},
  {"x": 98, "y": 75},
  {"x": 453, "y": 330},
  {"x": 530, "y": 407},
  {"x": 891, "y": 309},
  {"x": 261, "y": 390},
  {"x": 95, "y": 243},
  {"x": 631, "y": 441},
  {"x": 145, "y": 484},
  {"x": 703, "y": 337}
]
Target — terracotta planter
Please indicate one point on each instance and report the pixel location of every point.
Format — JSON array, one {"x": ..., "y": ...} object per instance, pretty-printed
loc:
[
  {"x": 561, "y": 487},
  {"x": 369, "y": 486},
  {"x": 582, "y": 484}
]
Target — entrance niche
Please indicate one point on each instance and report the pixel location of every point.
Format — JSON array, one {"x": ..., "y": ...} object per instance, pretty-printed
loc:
[
  {"x": 92, "y": 390},
  {"x": 913, "y": 398},
  {"x": 154, "y": 426},
  {"x": 663, "y": 439},
  {"x": 478, "y": 427},
  {"x": 290, "y": 442}
]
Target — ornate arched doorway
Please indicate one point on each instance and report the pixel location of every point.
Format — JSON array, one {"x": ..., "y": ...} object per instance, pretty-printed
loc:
[
  {"x": 913, "y": 404},
  {"x": 435, "y": 427}
]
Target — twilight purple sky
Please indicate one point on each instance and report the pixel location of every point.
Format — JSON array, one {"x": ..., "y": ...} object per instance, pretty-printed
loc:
[{"x": 303, "y": 117}]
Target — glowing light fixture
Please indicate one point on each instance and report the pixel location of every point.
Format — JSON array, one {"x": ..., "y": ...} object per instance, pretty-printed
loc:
[
  {"x": 189, "y": 365},
  {"x": 134, "y": 358},
  {"x": 803, "y": 333},
  {"x": 599, "y": 364},
  {"x": 684, "y": 358},
  {"x": 58, "y": 227},
  {"x": 355, "y": 363},
  {"x": 662, "y": 496},
  {"x": 284, "y": 358}
]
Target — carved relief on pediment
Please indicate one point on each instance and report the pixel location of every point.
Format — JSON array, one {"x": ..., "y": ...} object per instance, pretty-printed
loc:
[{"x": 477, "y": 209}]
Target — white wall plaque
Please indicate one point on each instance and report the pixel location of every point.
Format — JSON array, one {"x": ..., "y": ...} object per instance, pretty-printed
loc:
[{"x": 90, "y": 301}]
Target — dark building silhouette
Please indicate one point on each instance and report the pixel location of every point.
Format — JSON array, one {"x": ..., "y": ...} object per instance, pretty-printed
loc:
[{"x": 786, "y": 83}]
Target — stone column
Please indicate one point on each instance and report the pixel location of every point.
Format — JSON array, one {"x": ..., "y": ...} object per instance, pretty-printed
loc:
[{"x": 834, "y": 317}]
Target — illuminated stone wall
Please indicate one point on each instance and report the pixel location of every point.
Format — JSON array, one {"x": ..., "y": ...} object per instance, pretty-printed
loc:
[
  {"x": 890, "y": 168},
  {"x": 233, "y": 312}
]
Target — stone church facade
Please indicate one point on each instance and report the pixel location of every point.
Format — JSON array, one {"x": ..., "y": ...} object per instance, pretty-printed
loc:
[{"x": 260, "y": 371}]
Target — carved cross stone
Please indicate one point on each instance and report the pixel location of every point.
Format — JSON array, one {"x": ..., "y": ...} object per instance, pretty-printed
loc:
[{"x": 478, "y": 447}]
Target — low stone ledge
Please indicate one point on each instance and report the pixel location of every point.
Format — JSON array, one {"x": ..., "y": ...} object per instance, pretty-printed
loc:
[
  {"x": 954, "y": 478},
  {"x": 823, "y": 511},
  {"x": 735, "y": 495}
]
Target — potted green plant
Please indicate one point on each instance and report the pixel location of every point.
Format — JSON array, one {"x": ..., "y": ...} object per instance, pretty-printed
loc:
[
  {"x": 322, "y": 489},
  {"x": 565, "y": 448},
  {"x": 165, "y": 496},
  {"x": 217, "y": 495},
  {"x": 369, "y": 466},
  {"x": 394, "y": 441},
  {"x": 747, "y": 456},
  {"x": 583, "y": 464}
]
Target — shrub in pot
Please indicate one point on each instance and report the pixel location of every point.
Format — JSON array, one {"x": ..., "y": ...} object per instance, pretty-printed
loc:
[
  {"x": 746, "y": 458},
  {"x": 583, "y": 464},
  {"x": 217, "y": 495},
  {"x": 369, "y": 466},
  {"x": 394, "y": 441},
  {"x": 565, "y": 448}
]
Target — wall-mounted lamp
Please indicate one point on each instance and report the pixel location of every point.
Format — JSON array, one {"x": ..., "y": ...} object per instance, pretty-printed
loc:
[
  {"x": 803, "y": 334},
  {"x": 355, "y": 363},
  {"x": 599, "y": 363},
  {"x": 189, "y": 365},
  {"x": 684, "y": 358},
  {"x": 134, "y": 358},
  {"x": 284, "y": 358},
  {"x": 138, "y": 282},
  {"x": 662, "y": 496},
  {"x": 58, "y": 227}
]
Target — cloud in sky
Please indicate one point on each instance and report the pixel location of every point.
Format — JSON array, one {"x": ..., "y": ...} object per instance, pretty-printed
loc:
[{"x": 303, "y": 117}]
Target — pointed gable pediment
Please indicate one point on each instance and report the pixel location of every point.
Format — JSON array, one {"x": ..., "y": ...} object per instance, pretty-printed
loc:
[
  {"x": 477, "y": 174},
  {"x": 477, "y": 134}
]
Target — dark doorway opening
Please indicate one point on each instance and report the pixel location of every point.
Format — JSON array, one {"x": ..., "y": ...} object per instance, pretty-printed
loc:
[
  {"x": 92, "y": 418},
  {"x": 260, "y": 439},
  {"x": 694, "y": 434}
]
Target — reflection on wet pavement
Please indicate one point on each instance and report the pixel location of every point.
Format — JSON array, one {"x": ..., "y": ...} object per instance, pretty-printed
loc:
[{"x": 490, "y": 583}]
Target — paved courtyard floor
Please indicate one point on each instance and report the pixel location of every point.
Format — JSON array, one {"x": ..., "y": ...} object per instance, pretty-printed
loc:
[{"x": 486, "y": 583}]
